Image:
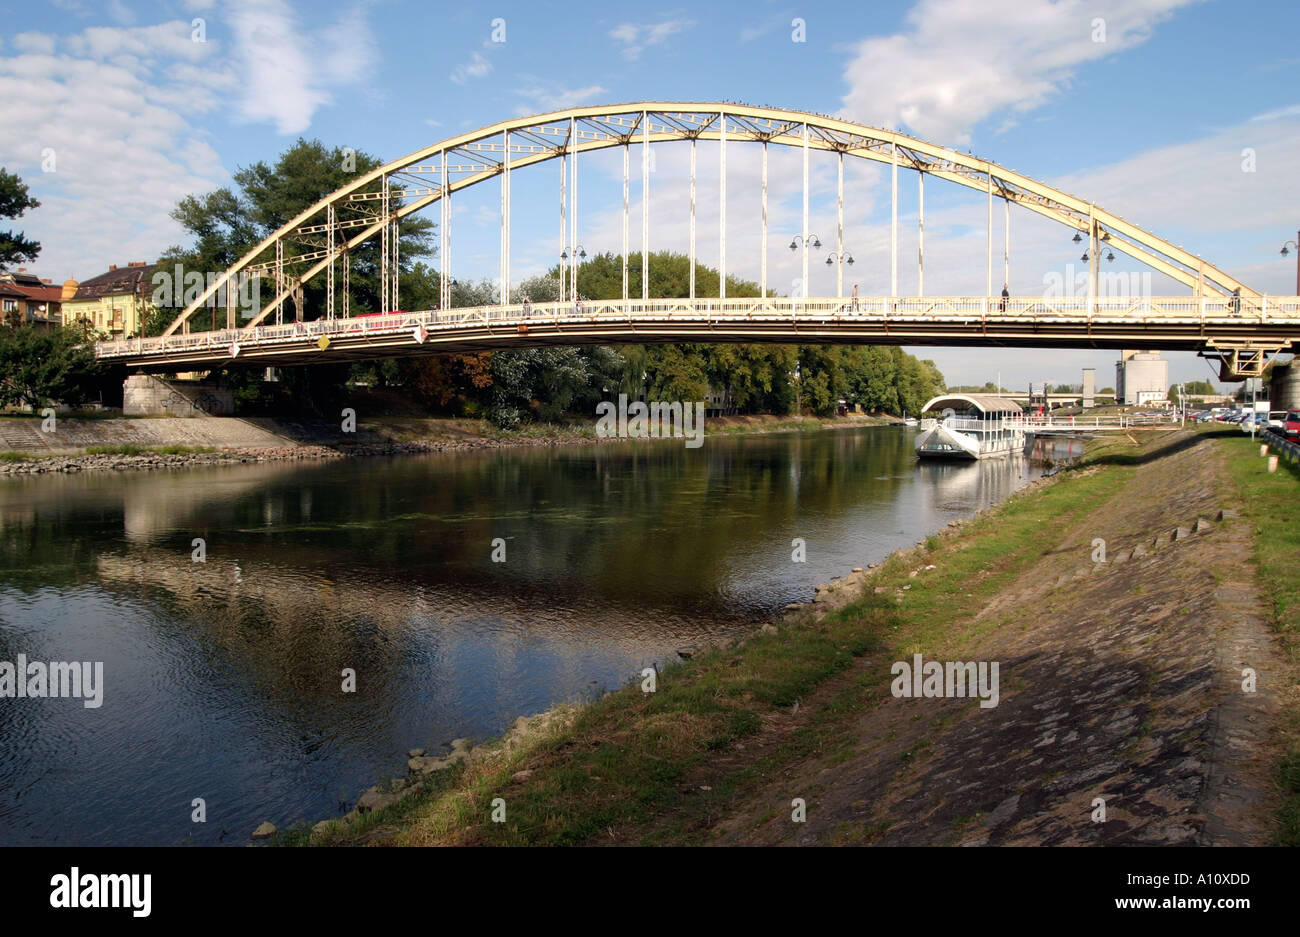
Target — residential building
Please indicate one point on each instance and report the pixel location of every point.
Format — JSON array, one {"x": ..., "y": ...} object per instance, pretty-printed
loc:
[
  {"x": 115, "y": 302},
  {"x": 25, "y": 297}
]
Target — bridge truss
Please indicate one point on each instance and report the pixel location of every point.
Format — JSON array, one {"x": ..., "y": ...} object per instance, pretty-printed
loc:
[{"x": 321, "y": 239}]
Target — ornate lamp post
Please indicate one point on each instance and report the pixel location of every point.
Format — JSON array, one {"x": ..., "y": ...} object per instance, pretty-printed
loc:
[
  {"x": 805, "y": 242},
  {"x": 1286, "y": 249},
  {"x": 839, "y": 258}
]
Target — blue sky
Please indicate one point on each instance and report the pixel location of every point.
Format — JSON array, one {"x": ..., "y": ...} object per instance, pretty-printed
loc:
[{"x": 1150, "y": 122}]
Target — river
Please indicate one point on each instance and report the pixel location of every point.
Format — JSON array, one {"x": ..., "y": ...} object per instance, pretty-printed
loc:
[{"x": 223, "y": 679}]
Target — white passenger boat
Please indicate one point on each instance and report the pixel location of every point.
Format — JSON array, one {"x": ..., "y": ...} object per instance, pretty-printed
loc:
[{"x": 970, "y": 426}]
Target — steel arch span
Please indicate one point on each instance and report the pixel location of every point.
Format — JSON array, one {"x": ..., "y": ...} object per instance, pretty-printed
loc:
[
  {"x": 321, "y": 238},
  {"x": 367, "y": 208}
]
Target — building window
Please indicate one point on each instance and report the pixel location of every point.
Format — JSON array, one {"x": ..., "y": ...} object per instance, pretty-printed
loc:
[{"x": 11, "y": 305}]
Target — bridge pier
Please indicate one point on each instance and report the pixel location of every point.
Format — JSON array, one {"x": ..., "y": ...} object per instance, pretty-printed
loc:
[
  {"x": 1284, "y": 388},
  {"x": 147, "y": 395}
]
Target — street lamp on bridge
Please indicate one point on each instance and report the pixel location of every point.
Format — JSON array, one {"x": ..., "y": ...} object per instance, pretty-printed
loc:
[
  {"x": 805, "y": 241},
  {"x": 839, "y": 258},
  {"x": 1286, "y": 249},
  {"x": 579, "y": 254},
  {"x": 1086, "y": 258},
  {"x": 1110, "y": 255},
  {"x": 1092, "y": 255}
]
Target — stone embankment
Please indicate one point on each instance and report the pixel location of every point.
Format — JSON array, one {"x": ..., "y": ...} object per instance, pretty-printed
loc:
[
  {"x": 29, "y": 449},
  {"x": 103, "y": 462},
  {"x": 116, "y": 462},
  {"x": 1122, "y": 660},
  {"x": 423, "y": 769},
  {"x": 225, "y": 441}
]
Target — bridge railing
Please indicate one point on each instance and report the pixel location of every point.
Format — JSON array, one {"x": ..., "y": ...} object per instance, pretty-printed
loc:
[
  {"x": 909, "y": 309},
  {"x": 1031, "y": 422},
  {"x": 969, "y": 424}
]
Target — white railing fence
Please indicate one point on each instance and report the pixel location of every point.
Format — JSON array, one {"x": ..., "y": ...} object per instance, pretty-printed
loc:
[{"x": 956, "y": 309}]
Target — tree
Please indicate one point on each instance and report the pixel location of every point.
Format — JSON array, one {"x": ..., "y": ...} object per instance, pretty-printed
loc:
[
  {"x": 1191, "y": 388},
  {"x": 14, "y": 201},
  {"x": 225, "y": 224},
  {"x": 39, "y": 368}
]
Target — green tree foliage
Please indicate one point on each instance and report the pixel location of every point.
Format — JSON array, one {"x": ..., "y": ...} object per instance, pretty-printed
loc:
[
  {"x": 14, "y": 201},
  {"x": 39, "y": 368},
  {"x": 760, "y": 378},
  {"x": 1191, "y": 388},
  {"x": 225, "y": 224},
  {"x": 547, "y": 383}
]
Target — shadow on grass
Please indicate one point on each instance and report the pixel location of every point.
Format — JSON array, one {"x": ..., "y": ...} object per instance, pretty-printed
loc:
[{"x": 1152, "y": 452}]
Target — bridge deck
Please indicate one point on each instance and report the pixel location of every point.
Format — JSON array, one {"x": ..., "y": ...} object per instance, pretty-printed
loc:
[{"x": 1173, "y": 323}]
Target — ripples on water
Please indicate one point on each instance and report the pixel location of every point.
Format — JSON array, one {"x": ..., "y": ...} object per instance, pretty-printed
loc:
[{"x": 223, "y": 678}]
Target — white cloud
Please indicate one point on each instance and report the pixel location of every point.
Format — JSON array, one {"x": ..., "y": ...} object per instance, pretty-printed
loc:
[
  {"x": 958, "y": 64},
  {"x": 1281, "y": 112},
  {"x": 120, "y": 12},
  {"x": 555, "y": 98},
  {"x": 142, "y": 45},
  {"x": 1199, "y": 190},
  {"x": 288, "y": 71},
  {"x": 111, "y": 107},
  {"x": 636, "y": 37},
  {"x": 478, "y": 66},
  {"x": 34, "y": 42}
]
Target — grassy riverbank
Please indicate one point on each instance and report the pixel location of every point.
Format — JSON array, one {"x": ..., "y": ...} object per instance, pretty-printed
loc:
[
  {"x": 729, "y": 738},
  {"x": 1270, "y": 505},
  {"x": 152, "y": 443}
]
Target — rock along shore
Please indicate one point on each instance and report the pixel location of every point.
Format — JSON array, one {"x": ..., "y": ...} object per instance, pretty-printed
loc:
[{"x": 111, "y": 462}]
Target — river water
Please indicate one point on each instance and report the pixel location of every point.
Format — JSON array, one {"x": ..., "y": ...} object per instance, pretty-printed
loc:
[{"x": 222, "y": 679}]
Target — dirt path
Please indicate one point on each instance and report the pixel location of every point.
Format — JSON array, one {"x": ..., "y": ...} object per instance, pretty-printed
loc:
[{"x": 1120, "y": 681}]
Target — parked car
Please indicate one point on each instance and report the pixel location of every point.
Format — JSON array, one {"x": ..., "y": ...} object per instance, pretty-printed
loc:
[{"x": 1292, "y": 425}]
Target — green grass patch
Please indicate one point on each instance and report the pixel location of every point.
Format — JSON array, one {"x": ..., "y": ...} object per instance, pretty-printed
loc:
[{"x": 1269, "y": 506}]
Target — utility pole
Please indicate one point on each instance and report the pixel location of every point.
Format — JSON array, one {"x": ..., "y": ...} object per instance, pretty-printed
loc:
[{"x": 1254, "y": 405}]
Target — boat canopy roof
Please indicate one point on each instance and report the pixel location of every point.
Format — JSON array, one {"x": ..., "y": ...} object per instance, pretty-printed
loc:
[{"x": 981, "y": 403}]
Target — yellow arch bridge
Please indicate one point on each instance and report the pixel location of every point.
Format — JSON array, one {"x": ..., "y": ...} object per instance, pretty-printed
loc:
[{"x": 1219, "y": 316}]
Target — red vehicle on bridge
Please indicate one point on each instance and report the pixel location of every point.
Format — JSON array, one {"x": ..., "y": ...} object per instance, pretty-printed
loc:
[{"x": 366, "y": 316}]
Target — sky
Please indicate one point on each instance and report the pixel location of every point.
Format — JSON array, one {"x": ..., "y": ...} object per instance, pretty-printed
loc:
[{"x": 1180, "y": 116}]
